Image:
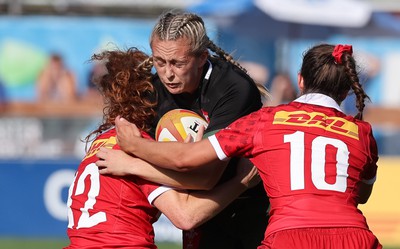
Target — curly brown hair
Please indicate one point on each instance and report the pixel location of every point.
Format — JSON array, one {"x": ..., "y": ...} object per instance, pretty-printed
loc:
[{"x": 126, "y": 89}]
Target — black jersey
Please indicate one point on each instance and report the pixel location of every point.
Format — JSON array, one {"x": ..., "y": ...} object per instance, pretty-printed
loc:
[{"x": 225, "y": 94}]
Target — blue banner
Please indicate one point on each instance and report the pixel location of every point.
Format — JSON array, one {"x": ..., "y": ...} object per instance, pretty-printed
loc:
[
  {"x": 34, "y": 200},
  {"x": 34, "y": 194}
]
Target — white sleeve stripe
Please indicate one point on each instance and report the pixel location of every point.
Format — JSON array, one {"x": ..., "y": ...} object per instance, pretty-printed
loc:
[
  {"x": 369, "y": 182},
  {"x": 217, "y": 147},
  {"x": 157, "y": 192}
]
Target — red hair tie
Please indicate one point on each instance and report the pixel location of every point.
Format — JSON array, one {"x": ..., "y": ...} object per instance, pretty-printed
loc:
[{"x": 338, "y": 52}]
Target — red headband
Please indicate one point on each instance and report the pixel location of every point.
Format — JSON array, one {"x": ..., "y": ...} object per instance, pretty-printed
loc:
[{"x": 338, "y": 52}]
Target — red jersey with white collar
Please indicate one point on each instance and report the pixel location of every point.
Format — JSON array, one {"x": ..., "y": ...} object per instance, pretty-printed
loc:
[
  {"x": 311, "y": 158},
  {"x": 110, "y": 212}
]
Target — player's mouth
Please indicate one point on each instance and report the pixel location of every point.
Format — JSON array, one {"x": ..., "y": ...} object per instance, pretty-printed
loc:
[{"x": 172, "y": 85}]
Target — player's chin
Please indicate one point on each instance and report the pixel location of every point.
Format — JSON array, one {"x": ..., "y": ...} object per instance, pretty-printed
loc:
[{"x": 174, "y": 88}]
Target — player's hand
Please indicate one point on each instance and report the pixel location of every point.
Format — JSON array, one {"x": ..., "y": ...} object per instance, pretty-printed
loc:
[
  {"x": 247, "y": 173},
  {"x": 114, "y": 162},
  {"x": 126, "y": 133},
  {"x": 199, "y": 135}
]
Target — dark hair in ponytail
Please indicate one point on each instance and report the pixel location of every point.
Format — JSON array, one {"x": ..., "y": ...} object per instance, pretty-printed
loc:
[{"x": 332, "y": 70}]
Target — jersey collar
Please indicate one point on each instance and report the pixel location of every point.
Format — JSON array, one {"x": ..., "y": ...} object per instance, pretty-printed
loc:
[
  {"x": 318, "y": 99},
  {"x": 209, "y": 71}
]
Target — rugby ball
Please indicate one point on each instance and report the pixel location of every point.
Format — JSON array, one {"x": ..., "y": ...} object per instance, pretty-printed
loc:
[{"x": 177, "y": 124}]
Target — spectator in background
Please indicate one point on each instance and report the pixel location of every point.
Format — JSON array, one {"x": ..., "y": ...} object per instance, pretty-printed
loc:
[
  {"x": 56, "y": 83},
  {"x": 92, "y": 94},
  {"x": 3, "y": 97},
  {"x": 259, "y": 73},
  {"x": 282, "y": 90},
  {"x": 370, "y": 67}
]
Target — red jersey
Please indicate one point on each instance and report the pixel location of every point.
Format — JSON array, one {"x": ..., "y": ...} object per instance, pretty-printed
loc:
[
  {"x": 110, "y": 212},
  {"x": 311, "y": 158}
]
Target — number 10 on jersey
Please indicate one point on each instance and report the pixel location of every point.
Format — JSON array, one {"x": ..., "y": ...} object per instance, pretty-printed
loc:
[{"x": 318, "y": 155}]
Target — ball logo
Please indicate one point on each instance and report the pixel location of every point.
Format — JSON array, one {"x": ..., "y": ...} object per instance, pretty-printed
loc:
[{"x": 177, "y": 124}]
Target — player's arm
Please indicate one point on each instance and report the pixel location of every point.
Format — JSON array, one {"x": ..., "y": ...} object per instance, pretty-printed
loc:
[
  {"x": 118, "y": 163},
  {"x": 177, "y": 156},
  {"x": 364, "y": 192},
  {"x": 170, "y": 155},
  {"x": 369, "y": 172},
  {"x": 197, "y": 207}
]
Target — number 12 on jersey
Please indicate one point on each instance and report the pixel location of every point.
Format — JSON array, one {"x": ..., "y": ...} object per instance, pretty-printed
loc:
[{"x": 85, "y": 219}]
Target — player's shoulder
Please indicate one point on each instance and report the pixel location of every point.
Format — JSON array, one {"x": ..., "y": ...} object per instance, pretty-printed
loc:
[
  {"x": 363, "y": 125},
  {"x": 226, "y": 73},
  {"x": 288, "y": 107}
]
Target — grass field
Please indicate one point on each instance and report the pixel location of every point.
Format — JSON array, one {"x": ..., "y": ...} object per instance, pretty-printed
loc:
[{"x": 17, "y": 243}]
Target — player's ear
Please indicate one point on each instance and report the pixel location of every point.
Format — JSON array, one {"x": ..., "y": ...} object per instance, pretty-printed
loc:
[
  {"x": 203, "y": 58},
  {"x": 300, "y": 82}
]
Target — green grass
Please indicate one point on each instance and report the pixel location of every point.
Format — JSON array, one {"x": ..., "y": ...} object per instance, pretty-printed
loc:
[
  {"x": 23, "y": 243},
  {"x": 168, "y": 246}
]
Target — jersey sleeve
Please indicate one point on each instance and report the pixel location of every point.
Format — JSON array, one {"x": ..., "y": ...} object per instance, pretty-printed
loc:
[
  {"x": 151, "y": 190},
  {"x": 237, "y": 139},
  {"x": 369, "y": 173}
]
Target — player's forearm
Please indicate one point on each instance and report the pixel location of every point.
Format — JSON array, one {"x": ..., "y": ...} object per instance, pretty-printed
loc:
[
  {"x": 174, "y": 155},
  {"x": 208, "y": 204},
  {"x": 162, "y": 155},
  {"x": 200, "y": 206},
  {"x": 197, "y": 207},
  {"x": 195, "y": 180}
]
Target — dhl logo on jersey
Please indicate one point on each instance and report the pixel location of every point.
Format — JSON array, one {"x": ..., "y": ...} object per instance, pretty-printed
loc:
[
  {"x": 107, "y": 142},
  {"x": 319, "y": 120}
]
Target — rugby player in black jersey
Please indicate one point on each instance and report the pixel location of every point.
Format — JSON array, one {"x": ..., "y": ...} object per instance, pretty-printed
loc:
[{"x": 194, "y": 73}]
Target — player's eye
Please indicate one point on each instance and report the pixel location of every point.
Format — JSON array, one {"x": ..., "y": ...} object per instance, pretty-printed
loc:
[
  {"x": 180, "y": 65},
  {"x": 159, "y": 62}
]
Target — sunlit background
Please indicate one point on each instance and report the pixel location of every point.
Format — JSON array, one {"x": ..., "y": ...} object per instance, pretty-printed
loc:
[{"x": 42, "y": 146}]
